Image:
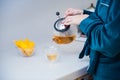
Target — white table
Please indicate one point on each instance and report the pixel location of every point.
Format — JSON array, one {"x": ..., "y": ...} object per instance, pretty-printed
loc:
[{"x": 37, "y": 67}]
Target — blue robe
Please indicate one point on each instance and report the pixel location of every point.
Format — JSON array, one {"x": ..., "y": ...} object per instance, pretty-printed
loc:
[{"x": 102, "y": 29}]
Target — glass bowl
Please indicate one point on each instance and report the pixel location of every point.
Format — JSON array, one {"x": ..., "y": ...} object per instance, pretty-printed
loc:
[{"x": 26, "y": 52}]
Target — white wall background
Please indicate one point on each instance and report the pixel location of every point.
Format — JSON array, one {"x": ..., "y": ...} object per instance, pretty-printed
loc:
[{"x": 33, "y": 19}]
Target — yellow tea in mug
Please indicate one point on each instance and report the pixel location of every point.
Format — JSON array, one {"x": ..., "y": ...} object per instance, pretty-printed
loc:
[{"x": 52, "y": 57}]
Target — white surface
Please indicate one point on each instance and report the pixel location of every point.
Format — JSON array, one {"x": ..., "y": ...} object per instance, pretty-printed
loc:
[{"x": 37, "y": 67}]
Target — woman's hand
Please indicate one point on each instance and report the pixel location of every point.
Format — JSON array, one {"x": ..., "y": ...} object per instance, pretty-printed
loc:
[
  {"x": 72, "y": 11},
  {"x": 75, "y": 20}
]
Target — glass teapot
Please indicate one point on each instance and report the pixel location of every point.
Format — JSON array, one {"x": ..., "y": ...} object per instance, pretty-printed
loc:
[{"x": 63, "y": 34}]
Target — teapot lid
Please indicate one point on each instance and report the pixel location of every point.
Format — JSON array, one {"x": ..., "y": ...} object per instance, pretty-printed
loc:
[{"x": 59, "y": 26}]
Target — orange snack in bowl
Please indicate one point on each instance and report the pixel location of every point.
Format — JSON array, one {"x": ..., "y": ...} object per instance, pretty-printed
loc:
[{"x": 25, "y": 46}]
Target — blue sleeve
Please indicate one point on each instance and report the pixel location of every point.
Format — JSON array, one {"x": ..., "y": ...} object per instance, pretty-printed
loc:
[{"x": 102, "y": 37}]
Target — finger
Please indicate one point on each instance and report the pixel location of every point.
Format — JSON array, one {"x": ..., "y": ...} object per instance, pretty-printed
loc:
[
  {"x": 67, "y": 22},
  {"x": 68, "y": 12}
]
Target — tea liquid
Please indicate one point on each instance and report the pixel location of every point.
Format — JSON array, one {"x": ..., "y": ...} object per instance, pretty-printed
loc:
[
  {"x": 63, "y": 39},
  {"x": 52, "y": 57}
]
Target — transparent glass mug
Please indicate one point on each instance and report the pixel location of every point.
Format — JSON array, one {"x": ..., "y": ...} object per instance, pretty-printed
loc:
[
  {"x": 51, "y": 52},
  {"x": 63, "y": 34}
]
